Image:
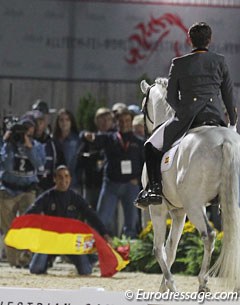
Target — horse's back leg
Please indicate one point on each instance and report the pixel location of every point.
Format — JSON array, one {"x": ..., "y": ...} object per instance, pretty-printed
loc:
[
  {"x": 178, "y": 219},
  {"x": 207, "y": 233}
]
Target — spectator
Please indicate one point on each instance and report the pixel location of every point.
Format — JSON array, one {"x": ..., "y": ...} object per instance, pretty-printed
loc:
[
  {"x": 42, "y": 106},
  {"x": 92, "y": 159},
  {"x": 66, "y": 136},
  {"x": 138, "y": 126},
  {"x": 21, "y": 157},
  {"x": 1, "y": 142},
  {"x": 54, "y": 154},
  {"x": 115, "y": 109},
  {"x": 135, "y": 109},
  {"x": 139, "y": 131},
  {"x": 62, "y": 201},
  {"x": 122, "y": 171},
  {"x": 118, "y": 106},
  {"x": 103, "y": 119},
  {"x": 2, "y": 247}
]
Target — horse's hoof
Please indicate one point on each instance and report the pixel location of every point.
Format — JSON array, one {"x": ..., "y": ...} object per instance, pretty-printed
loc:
[
  {"x": 163, "y": 288},
  {"x": 203, "y": 289}
]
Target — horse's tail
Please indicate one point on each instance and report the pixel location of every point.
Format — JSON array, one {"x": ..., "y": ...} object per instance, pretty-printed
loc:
[{"x": 228, "y": 263}]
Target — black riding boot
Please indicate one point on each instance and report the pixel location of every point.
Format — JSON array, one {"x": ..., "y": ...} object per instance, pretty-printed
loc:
[{"x": 153, "y": 195}]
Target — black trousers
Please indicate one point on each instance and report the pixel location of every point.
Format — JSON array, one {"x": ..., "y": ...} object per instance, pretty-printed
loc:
[{"x": 174, "y": 131}]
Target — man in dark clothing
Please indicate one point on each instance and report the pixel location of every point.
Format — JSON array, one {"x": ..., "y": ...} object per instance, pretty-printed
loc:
[
  {"x": 62, "y": 201},
  {"x": 91, "y": 160},
  {"x": 54, "y": 154},
  {"x": 198, "y": 84},
  {"x": 122, "y": 171}
]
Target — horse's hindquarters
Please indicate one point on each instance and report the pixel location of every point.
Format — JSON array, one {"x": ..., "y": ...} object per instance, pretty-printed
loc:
[{"x": 195, "y": 175}]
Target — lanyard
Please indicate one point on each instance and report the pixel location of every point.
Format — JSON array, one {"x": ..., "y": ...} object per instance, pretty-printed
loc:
[{"x": 124, "y": 145}]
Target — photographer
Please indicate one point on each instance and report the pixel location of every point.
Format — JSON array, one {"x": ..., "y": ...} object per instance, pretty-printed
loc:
[
  {"x": 53, "y": 150},
  {"x": 20, "y": 158}
]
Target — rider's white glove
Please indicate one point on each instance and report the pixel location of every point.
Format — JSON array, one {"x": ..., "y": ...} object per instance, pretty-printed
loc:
[{"x": 232, "y": 127}]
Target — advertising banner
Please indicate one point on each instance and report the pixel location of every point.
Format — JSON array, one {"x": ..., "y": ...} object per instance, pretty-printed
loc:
[{"x": 117, "y": 41}]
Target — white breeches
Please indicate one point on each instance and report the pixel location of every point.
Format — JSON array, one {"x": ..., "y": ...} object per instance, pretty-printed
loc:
[{"x": 157, "y": 137}]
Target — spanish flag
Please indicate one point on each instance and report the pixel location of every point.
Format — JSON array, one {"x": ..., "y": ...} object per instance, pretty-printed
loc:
[{"x": 62, "y": 236}]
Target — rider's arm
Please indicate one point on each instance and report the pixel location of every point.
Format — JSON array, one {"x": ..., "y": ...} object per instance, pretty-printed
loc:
[
  {"x": 173, "y": 87},
  {"x": 228, "y": 94}
]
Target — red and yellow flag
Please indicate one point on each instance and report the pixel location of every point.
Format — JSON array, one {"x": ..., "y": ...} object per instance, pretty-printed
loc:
[{"x": 58, "y": 235}]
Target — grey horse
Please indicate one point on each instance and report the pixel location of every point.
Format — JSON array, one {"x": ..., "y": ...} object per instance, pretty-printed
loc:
[{"x": 206, "y": 166}]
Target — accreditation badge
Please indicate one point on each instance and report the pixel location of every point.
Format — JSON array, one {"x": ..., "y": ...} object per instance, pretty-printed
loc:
[{"x": 126, "y": 167}]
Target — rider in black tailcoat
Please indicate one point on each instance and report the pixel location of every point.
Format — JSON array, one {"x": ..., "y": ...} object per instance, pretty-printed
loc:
[{"x": 199, "y": 85}]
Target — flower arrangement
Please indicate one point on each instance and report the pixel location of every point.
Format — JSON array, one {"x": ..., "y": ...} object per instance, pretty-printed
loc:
[{"x": 189, "y": 253}]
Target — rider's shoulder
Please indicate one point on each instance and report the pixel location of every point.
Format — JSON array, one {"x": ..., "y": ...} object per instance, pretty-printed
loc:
[
  {"x": 181, "y": 58},
  {"x": 209, "y": 54}
]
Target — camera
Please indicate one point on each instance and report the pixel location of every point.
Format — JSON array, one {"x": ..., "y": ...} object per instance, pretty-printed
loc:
[
  {"x": 12, "y": 123},
  {"x": 8, "y": 122},
  {"x": 18, "y": 127},
  {"x": 18, "y": 131}
]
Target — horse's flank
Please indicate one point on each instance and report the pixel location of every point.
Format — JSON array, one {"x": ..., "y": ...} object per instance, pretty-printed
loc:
[{"x": 197, "y": 164}]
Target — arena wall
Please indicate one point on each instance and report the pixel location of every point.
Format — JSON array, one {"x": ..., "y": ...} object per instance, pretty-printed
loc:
[{"x": 36, "y": 61}]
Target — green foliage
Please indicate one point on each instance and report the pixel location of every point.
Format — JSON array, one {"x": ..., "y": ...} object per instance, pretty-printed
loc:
[
  {"x": 189, "y": 253},
  {"x": 123, "y": 241},
  {"x": 141, "y": 256},
  {"x": 86, "y": 111}
]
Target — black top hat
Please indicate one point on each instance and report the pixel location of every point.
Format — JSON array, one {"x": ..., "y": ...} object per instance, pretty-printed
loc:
[{"x": 42, "y": 106}]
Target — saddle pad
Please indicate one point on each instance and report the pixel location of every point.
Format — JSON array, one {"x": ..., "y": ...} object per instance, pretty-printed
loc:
[{"x": 168, "y": 158}]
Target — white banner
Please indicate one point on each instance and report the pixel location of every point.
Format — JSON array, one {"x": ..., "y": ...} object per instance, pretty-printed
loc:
[
  {"x": 98, "y": 296},
  {"x": 83, "y": 296},
  {"x": 90, "y": 40}
]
